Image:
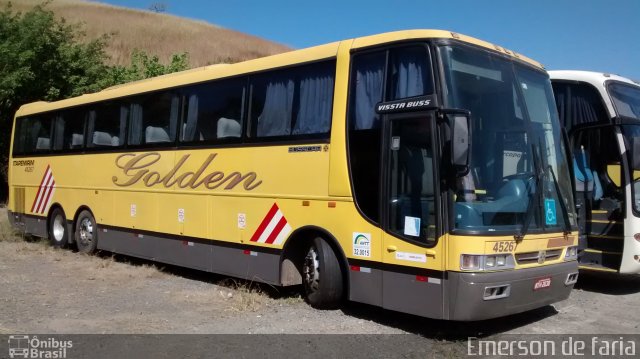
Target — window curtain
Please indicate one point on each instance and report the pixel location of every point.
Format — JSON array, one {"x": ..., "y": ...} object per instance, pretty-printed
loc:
[
  {"x": 124, "y": 113},
  {"x": 369, "y": 82},
  {"x": 91, "y": 128},
  {"x": 173, "y": 117},
  {"x": 189, "y": 130},
  {"x": 410, "y": 75},
  {"x": 59, "y": 133},
  {"x": 314, "y": 115},
  {"x": 135, "y": 124},
  {"x": 275, "y": 119}
]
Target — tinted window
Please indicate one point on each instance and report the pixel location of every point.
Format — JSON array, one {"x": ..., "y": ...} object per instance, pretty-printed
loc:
[
  {"x": 153, "y": 118},
  {"x": 366, "y": 90},
  {"x": 293, "y": 101},
  {"x": 578, "y": 104},
  {"x": 410, "y": 72},
  {"x": 106, "y": 125},
  {"x": 33, "y": 135},
  {"x": 214, "y": 112},
  {"x": 69, "y": 130}
]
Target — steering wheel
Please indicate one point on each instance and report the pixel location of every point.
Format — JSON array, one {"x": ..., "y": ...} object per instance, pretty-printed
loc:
[{"x": 525, "y": 176}]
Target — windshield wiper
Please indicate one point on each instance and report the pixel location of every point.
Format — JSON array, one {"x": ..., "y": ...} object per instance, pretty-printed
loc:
[
  {"x": 563, "y": 206},
  {"x": 530, "y": 206}
]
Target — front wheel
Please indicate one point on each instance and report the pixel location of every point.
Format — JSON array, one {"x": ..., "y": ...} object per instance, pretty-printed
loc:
[
  {"x": 86, "y": 233},
  {"x": 322, "y": 277},
  {"x": 58, "y": 235}
]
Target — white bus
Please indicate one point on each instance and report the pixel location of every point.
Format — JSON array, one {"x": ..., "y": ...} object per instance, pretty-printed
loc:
[{"x": 601, "y": 114}]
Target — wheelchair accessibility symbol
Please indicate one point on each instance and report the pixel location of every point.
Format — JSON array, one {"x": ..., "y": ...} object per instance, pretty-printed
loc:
[{"x": 550, "y": 211}]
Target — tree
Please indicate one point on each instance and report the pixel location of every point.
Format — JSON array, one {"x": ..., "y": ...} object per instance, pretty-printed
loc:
[
  {"x": 144, "y": 66},
  {"x": 42, "y": 58}
]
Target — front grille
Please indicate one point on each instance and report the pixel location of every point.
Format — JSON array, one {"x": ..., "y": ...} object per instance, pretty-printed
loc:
[{"x": 534, "y": 257}]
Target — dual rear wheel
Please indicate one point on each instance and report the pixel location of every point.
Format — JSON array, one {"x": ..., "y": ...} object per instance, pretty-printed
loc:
[{"x": 85, "y": 235}]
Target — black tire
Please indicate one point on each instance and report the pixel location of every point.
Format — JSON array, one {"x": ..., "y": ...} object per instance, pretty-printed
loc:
[
  {"x": 57, "y": 229},
  {"x": 322, "y": 276},
  {"x": 86, "y": 234}
]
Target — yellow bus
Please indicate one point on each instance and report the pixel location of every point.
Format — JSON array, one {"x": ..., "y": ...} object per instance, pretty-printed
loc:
[{"x": 420, "y": 171}]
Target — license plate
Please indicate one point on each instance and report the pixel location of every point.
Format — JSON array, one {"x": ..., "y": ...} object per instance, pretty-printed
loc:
[{"x": 542, "y": 283}]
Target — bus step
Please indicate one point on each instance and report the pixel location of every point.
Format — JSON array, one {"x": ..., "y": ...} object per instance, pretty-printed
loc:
[{"x": 600, "y": 260}]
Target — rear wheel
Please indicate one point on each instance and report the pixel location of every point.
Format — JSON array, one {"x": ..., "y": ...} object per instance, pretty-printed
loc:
[
  {"x": 86, "y": 233},
  {"x": 58, "y": 235},
  {"x": 322, "y": 276}
]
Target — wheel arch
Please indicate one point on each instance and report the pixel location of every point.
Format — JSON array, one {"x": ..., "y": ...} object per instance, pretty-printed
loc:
[
  {"x": 296, "y": 245},
  {"x": 52, "y": 208}
]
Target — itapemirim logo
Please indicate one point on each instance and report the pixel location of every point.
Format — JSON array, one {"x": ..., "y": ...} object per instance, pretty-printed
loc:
[{"x": 31, "y": 347}]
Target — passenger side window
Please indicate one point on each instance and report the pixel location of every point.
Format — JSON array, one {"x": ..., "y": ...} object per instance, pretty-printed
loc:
[
  {"x": 214, "y": 112},
  {"x": 37, "y": 134},
  {"x": 293, "y": 102},
  {"x": 106, "y": 125},
  {"x": 578, "y": 104},
  {"x": 367, "y": 85},
  {"x": 153, "y": 118},
  {"x": 410, "y": 72},
  {"x": 69, "y": 130}
]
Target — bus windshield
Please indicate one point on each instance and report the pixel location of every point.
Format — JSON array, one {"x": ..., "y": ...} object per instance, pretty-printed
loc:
[
  {"x": 518, "y": 170},
  {"x": 626, "y": 99}
]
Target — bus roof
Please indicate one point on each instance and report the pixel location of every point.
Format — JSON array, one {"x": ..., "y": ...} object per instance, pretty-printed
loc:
[
  {"x": 597, "y": 79},
  {"x": 212, "y": 72}
]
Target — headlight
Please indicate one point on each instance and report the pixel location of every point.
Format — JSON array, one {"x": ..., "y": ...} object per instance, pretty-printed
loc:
[
  {"x": 474, "y": 262},
  {"x": 571, "y": 253}
]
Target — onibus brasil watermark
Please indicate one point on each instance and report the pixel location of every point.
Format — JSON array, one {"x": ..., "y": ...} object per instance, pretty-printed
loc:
[
  {"x": 32, "y": 347},
  {"x": 565, "y": 346}
]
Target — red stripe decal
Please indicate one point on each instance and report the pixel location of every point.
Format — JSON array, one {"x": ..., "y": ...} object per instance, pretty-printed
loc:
[
  {"x": 39, "y": 188},
  {"x": 420, "y": 278},
  {"x": 265, "y": 223},
  {"x": 278, "y": 228},
  {"x": 47, "y": 196}
]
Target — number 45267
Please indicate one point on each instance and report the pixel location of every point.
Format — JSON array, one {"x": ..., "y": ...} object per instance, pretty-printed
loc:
[{"x": 506, "y": 246}]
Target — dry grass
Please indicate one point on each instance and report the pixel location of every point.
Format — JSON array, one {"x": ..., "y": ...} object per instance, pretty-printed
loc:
[
  {"x": 159, "y": 34},
  {"x": 244, "y": 296}
]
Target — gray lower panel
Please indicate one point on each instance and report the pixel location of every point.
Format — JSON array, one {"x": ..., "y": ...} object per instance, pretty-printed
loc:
[
  {"x": 185, "y": 254},
  {"x": 210, "y": 257},
  {"x": 466, "y": 291},
  {"x": 35, "y": 226},
  {"x": 412, "y": 294},
  {"x": 365, "y": 286},
  {"x": 252, "y": 265}
]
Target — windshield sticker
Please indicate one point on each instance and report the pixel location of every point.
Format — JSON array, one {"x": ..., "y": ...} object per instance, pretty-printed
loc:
[
  {"x": 550, "y": 211},
  {"x": 362, "y": 244},
  {"x": 412, "y": 226}
]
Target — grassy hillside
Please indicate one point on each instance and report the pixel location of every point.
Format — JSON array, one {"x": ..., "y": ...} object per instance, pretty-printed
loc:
[{"x": 157, "y": 33}]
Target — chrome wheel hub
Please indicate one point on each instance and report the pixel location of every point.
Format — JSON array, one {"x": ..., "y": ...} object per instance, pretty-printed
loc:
[
  {"x": 58, "y": 228},
  {"x": 311, "y": 270},
  {"x": 86, "y": 231}
]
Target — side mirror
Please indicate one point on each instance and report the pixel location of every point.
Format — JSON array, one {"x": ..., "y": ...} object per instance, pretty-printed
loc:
[{"x": 460, "y": 124}]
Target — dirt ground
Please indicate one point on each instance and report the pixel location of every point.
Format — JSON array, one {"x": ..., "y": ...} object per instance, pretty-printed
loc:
[{"x": 46, "y": 290}]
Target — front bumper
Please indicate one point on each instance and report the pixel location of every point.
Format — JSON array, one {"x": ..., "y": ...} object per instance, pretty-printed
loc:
[{"x": 468, "y": 291}]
